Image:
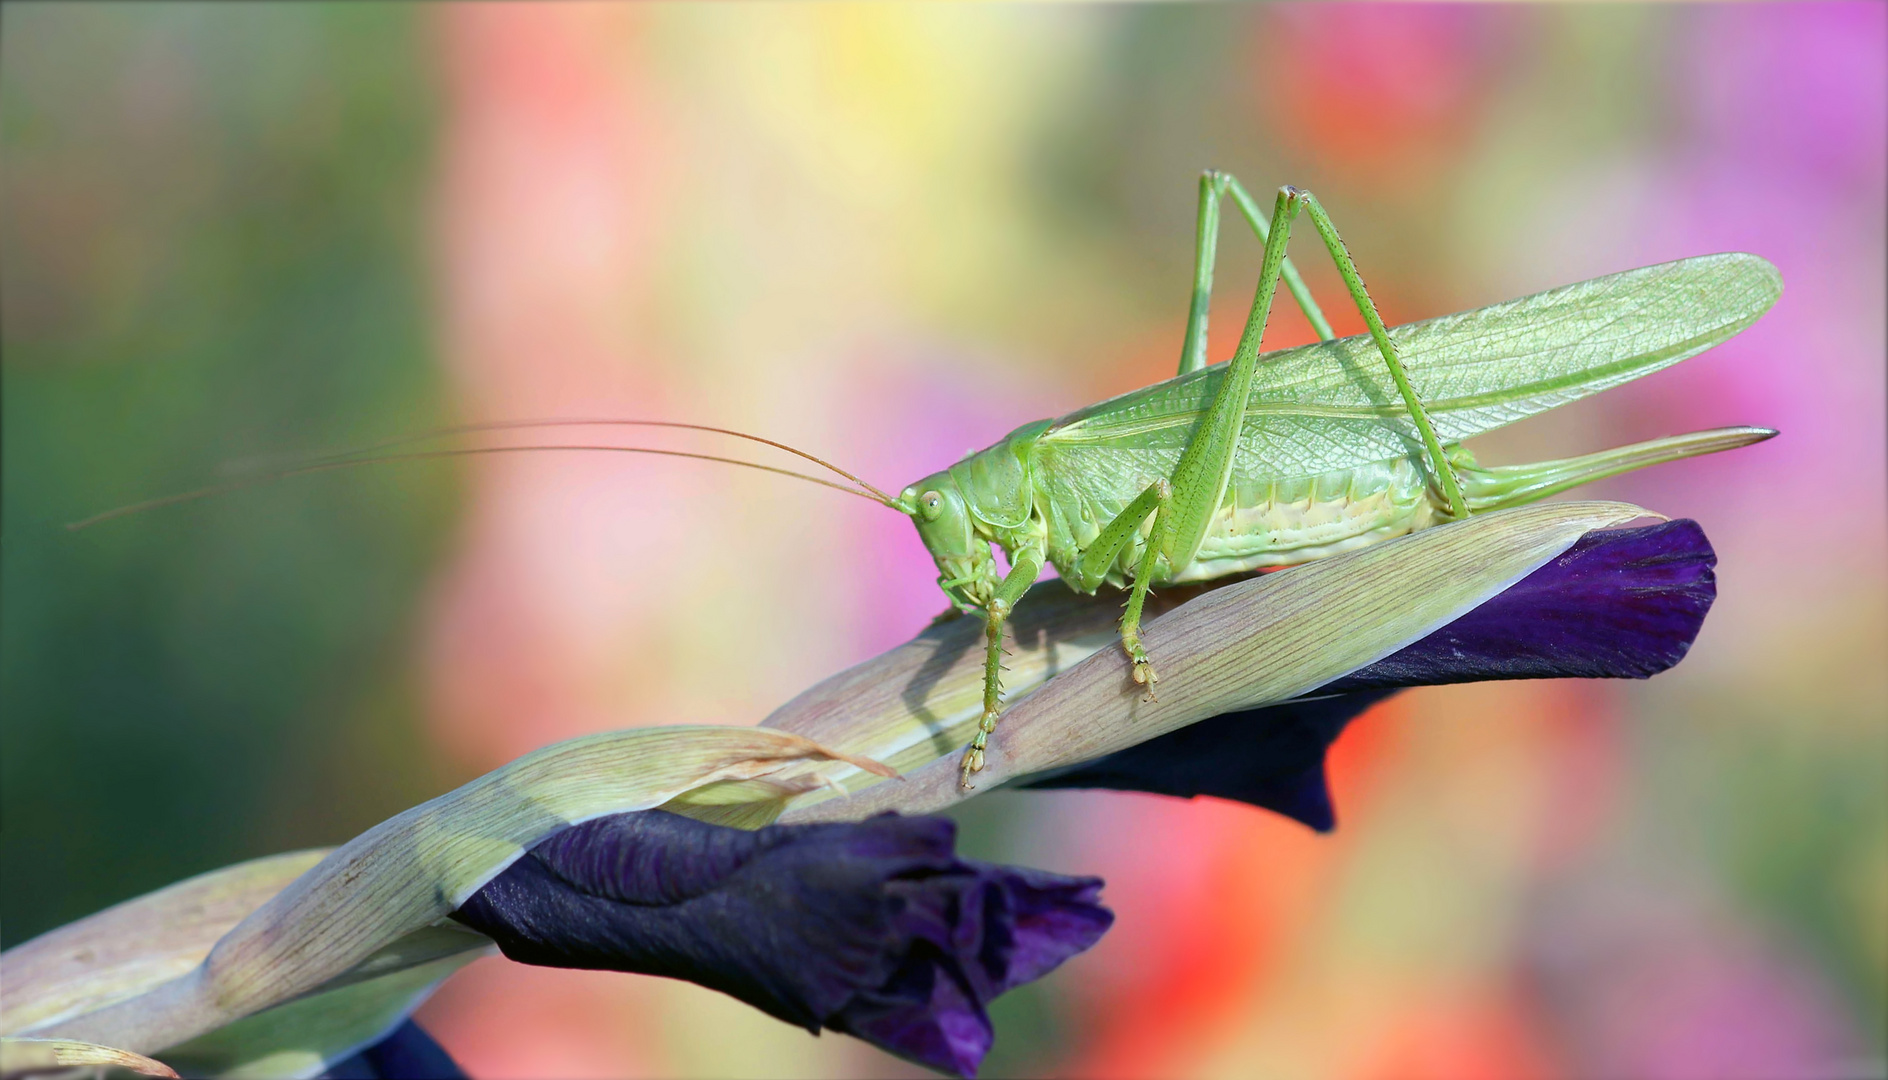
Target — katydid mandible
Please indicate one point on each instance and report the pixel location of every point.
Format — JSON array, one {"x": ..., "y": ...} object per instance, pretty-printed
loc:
[{"x": 1220, "y": 471}]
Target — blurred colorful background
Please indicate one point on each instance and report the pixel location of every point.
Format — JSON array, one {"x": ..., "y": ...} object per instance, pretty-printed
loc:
[{"x": 889, "y": 234}]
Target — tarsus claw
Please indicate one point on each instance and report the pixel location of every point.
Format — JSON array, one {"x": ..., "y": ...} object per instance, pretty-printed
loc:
[{"x": 973, "y": 762}]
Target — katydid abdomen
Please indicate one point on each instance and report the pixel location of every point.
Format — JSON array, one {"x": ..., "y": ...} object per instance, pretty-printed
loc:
[{"x": 1263, "y": 521}]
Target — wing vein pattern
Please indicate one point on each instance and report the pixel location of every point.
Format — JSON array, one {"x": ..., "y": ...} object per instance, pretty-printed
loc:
[{"x": 1331, "y": 406}]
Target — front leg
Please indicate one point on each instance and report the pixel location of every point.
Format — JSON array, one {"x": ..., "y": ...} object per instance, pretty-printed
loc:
[{"x": 1025, "y": 567}]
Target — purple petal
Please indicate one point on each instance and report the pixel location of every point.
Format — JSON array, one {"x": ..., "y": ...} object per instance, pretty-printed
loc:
[
  {"x": 407, "y": 1053},
  {"x": 1622, "y": 603},
  {"x": 874, "y": 928}
]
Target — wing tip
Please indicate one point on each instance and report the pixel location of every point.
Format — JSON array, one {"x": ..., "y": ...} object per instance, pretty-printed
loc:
[{"x": 1759, "y": 273}]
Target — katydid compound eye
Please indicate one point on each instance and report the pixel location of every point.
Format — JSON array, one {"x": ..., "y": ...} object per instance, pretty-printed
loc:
[{"x": 929, "y": 504}]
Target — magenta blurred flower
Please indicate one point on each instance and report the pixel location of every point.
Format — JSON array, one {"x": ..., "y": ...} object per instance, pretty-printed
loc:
[{"x": 876, "y": 928}]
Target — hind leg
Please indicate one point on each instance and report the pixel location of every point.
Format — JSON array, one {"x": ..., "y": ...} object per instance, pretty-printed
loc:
[{"x": 1213, "y": 186}]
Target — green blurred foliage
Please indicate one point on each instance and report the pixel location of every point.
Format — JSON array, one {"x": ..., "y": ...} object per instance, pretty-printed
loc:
[{"x": 213, "y": 249}]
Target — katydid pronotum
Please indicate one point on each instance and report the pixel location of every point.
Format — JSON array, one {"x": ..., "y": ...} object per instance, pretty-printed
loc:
[{"x": 1220, "y": 471}]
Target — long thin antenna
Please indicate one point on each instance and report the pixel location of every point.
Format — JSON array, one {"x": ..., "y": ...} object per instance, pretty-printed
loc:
[
  {"x": 426, "y": 455},
  {"x": 513, "y": 425}
]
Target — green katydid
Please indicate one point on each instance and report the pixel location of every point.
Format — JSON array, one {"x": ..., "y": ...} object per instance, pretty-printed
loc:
[{"x": 1218, "y": 471}]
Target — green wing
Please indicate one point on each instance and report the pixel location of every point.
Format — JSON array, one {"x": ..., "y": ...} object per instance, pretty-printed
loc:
[{"x": 1332, "y": 406}]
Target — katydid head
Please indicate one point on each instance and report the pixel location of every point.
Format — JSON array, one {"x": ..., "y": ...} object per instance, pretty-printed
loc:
[{"x": 966, "y": 570}]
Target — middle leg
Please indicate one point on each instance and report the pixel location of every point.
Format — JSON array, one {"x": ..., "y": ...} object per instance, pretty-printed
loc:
[{"x": 1100, "y": 558}]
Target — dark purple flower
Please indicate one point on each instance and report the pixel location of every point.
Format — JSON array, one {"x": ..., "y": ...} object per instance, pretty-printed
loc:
[
  {"x": 875, "y": 928},
  {"x": 407, "y": 1053},
  {"x": 1618, "y": 604}
]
